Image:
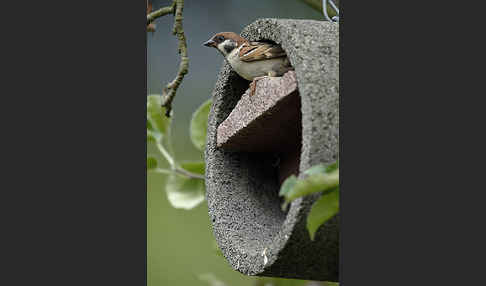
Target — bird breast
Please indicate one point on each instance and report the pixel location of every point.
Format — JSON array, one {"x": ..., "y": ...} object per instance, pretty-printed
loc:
[{"x": 250, "y": 70}]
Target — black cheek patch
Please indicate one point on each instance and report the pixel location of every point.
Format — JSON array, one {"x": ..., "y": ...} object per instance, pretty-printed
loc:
[{"x": 228, "y": 48}]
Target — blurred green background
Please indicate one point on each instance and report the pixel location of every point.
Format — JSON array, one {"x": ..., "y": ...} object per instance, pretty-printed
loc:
[{"x": 180, "y": 243}]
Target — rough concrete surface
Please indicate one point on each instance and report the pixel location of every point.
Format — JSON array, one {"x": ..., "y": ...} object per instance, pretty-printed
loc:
[
  {"x": 265, "y": 120},
  {"x": 254, "y": 234}
]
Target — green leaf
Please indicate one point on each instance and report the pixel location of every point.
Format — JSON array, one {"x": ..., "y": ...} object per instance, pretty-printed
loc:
[
  {"x": 287, "y": 185},
  {"x": 313, "y": 184},
  {"x": 149, "y": 126},
  {"x": 332, "y": 167},
  {"x": 194, "y": 167},
  {"x": 199, "y": 123},
  {"x": 323, "y": 209},
  {"x": 153, "y": 136},
  {"x": 151, "y": 163},
  {"x": 184, "y": 192},
  {"x": 322, "y": 168},
  {"x": 156, "y": 119}
]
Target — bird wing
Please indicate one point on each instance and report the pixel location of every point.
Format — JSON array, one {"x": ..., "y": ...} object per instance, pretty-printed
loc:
[{"x": 256, "y": 51}]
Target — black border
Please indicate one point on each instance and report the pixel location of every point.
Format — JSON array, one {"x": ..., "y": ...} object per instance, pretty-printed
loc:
[
  {"x": 407, "y": 188},
  {"x": 74, "y": 186}
]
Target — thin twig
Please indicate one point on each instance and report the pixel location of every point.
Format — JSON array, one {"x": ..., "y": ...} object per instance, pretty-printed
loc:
[
  {"x": 173, "y": 165},
  {"x": 159, "y": 13},
  {"x": 179, "y": 171},
  {"x": 166, "y": 155},
  {"x": 189, "y": 174},
  {"x": 169, "y": 91},
  {"x": 160, "y": 171}
]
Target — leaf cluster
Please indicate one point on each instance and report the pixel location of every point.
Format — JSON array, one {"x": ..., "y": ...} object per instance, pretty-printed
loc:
[
  {"x": 185, "y": 180},
  {"x": 322, "y": 179}
]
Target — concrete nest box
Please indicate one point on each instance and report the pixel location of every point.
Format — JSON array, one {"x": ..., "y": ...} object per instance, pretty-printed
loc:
[{"x": 254, "y": 142}]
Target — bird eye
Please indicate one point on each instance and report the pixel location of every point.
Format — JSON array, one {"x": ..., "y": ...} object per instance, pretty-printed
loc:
[{"x": 220, "y": 38}]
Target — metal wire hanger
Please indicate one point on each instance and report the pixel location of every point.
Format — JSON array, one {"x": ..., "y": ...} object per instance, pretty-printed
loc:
[{"x": 333, "y": 6}]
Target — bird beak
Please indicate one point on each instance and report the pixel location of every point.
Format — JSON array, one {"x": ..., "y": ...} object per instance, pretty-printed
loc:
[{"x": 209, "y": 43}]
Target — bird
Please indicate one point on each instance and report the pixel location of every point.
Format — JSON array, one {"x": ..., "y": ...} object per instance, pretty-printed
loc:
[{"x": 251, "y": 60}]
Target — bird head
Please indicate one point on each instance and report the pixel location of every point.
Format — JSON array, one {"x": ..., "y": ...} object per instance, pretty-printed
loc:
[{"x": 225, "y": 42}]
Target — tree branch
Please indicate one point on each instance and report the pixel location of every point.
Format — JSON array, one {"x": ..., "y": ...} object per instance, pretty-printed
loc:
[
  {"x": 159, "y": 13},
  {"x": 169, "y": 91}
]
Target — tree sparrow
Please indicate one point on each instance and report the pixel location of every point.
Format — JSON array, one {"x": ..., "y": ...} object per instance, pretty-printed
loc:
[{"x": 251, "y": 60}]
